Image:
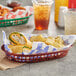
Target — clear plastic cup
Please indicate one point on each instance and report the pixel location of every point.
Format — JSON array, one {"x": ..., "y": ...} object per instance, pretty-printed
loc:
[
  {"x": 70, "y": 21},
  {"x": 42, "y": 10}
]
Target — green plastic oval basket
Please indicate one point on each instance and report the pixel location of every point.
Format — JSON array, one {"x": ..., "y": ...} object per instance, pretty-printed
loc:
[{"x": 14, "y": 22}]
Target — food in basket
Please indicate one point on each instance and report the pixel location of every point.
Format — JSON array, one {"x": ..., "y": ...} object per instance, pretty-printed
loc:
[
  {"x": 18, "y": 8},
  {"x": 19, "y": 39},
  {"x": 38, "y": 38},
  {"x": 19, "y": 42},
  {"x": 56, "y": 42},
  {"x": 19, "y": 49},
  {"x": 3, "y": 11},
  {"x": 39, "y": 51},
  {"x": 13, "y": 4},
  {"x": 14, "y": 13}
]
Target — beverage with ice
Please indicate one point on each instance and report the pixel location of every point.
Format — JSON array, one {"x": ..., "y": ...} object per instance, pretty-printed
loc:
[
  {"x": 70, "y": 21},
  {"x": 41, "y": 14}
]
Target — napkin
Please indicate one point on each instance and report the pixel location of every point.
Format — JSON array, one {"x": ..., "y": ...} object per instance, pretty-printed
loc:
[{"x": 5, "y": 63}]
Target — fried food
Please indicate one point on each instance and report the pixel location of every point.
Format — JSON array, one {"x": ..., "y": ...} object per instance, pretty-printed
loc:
[
  {"x": 56, "y": 42},
  {"x": 18, "y": 8},
  {"x": 59, "y": 40},
  {"x": 6, "y": 9},
  {"x": 19, "y": 49},
  {"x": 3, "y": 11},
  {"x": 49, "y": 41},
  {"x": 38, "y": 38},
  {"x": 21, "y": 44},
  {"x": 19, "y": 39}
]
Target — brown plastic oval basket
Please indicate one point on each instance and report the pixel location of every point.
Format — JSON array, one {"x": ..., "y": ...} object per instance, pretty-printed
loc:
[{"x": 35, "y": 57}]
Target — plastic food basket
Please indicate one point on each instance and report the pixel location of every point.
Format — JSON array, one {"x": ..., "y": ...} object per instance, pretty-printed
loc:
[
  {"x": 35, "y": 57},
  {"x": 14, "y": 22}
]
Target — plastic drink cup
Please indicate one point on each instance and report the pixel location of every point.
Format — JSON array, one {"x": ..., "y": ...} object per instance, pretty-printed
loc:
[
  {"x": 70, "y": 21},
  {"x": 42, "y": 10}
]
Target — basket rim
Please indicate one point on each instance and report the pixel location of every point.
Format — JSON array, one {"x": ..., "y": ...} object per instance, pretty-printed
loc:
[
  {"x": 16, "y": 18},
  {"x": 2, "y": 47}
]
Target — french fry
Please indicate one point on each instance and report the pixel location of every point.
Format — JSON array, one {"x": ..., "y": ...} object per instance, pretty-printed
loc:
[
  {"x": 3, "y": 11},
  {"x": 17, "y": 8}
]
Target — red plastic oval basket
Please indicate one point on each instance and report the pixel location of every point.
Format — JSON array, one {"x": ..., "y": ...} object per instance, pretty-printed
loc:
[{"x": 35, "y": 57}]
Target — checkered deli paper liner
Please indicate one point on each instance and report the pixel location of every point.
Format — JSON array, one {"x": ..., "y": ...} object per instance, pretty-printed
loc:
[
  {"x": 18, "y": 13},
  {"x": 41, "y": 47},
  {"x": 2, "y": 17}
]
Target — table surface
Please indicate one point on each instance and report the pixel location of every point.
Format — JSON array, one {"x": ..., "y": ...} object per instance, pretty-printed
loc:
[{"x": 60, "y": 67}]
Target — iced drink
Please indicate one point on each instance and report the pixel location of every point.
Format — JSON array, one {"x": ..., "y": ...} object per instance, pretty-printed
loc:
[
  {"x": 41, "y": 15},
  {"x": 70, "y": 21}
]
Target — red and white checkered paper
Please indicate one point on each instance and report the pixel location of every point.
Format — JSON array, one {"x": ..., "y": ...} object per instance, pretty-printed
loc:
[
  {"x": 1, "y": 18},
  {"x": 18, "y": 13}
]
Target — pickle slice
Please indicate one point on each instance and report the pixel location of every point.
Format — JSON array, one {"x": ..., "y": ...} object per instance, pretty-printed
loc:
[{"x": 19, "y": 39}]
